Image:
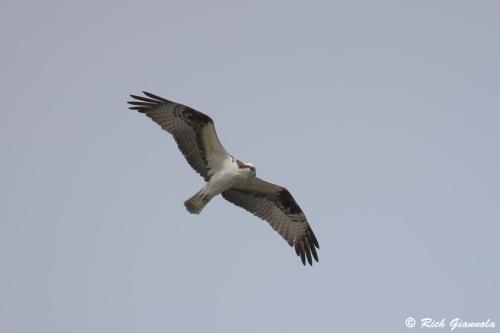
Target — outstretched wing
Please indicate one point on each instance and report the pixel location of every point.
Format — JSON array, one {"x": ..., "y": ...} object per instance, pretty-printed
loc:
[
  {"x": 276, "y": 205},
  {"x": 193, "y": 131}
]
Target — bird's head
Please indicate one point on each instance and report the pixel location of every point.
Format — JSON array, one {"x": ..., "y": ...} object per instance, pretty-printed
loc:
[
  {"x": 247, "y": 166},
  {"x": 252, "y": 169}
]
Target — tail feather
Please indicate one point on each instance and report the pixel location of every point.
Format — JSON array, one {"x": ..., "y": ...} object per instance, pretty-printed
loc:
[{"x": 197, "y": 202}]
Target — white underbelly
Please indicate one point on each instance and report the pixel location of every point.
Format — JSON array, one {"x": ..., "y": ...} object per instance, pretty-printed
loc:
[{"x": 224, "y": 180}]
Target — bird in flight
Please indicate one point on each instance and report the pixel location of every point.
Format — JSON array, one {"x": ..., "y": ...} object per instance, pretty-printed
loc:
[{"x": 196, "y": 138}]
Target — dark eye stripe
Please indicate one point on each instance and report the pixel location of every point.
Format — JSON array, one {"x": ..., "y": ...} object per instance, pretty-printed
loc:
[{"x": 241, "y": 165}]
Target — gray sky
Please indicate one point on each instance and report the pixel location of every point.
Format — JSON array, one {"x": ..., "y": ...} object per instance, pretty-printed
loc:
[{"x": 382, "y": 118}]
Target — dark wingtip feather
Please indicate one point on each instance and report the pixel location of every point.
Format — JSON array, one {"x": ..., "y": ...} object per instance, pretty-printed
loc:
[
  {"x": 144, "y": 99},
  {"x": 299, "y": 248},
  {"x": 307, "y": 250},
  {"x": 313, "y": 237},
  {"x": 154, "y": 96},
  {"x": 139, "y": 109},
  {"x": 144, "y": 104},
  {"x": 140, "y": 103},
  {"x": 309, "y": 259},
  {"x": 314, "y": 253}
]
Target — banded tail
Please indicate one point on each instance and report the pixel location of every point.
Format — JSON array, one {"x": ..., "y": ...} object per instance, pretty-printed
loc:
[{"x": 197, "y": 202}]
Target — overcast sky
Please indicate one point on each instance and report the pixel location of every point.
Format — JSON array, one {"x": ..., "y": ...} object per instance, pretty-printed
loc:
[{"x": 381, "y": 117}]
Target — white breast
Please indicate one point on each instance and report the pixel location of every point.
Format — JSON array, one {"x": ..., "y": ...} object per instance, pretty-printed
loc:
[{"x": 226, "y": 177}]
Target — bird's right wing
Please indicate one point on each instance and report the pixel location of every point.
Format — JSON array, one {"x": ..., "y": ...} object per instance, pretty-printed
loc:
[{"x": 193, "y": 131}]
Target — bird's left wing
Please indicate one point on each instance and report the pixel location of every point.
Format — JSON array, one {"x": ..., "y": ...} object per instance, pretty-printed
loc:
[
  {"x": 193, "y": 131},
  {"x": 276, "y": 205}
]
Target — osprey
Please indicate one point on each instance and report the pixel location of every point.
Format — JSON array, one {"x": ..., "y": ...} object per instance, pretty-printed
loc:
[{"x": 195, "y": 135}]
